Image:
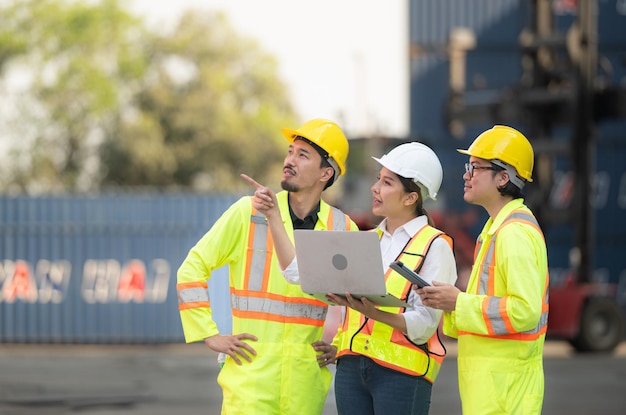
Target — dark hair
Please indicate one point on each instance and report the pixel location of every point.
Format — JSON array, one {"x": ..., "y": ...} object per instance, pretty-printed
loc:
[
  {"x": 508, "y": 189},
  {"x": 410, "y": 186}
]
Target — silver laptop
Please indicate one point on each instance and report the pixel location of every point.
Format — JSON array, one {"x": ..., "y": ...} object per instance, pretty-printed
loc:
[{"x": 342, "y": 261}]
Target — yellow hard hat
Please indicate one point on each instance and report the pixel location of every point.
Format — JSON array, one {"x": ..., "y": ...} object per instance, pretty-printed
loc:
[
  {"x": 507, "y": 145},
  {"x": 328, "y": 136}
]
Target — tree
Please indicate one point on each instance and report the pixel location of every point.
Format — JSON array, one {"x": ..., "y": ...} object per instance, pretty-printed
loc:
[
  {"x": 109, "y": 103},
  {"x": 210, "y": 107},
  {"x": 77, "y": 57}
]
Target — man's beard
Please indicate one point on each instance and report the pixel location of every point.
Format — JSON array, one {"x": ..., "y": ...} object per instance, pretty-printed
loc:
[{"x": 290, "y": 187}]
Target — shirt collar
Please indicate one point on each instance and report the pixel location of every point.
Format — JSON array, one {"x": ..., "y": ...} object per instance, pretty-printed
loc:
[
  {"x": 410, "y": 228},
  {"x": 308, "y": 222}
]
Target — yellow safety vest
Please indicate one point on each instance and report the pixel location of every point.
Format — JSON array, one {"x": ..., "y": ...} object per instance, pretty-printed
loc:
[
  {"x": 255, "y": 295},
  {"x": 253, "y": 300},
  {"x": 501, "y": 320},
  {"x": 495, "y": 312},
  {"x": 384, "y": 344},
  {"x": 285, "y": 320}
]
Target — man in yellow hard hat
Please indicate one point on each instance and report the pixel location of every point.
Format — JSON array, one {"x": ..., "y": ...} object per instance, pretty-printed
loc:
[
  {"x": 275, "y": 359},
  {"x": 501, "y": 319}
]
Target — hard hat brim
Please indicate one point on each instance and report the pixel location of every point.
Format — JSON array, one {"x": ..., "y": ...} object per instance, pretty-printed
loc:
[
  {"x": 290, "y": 134},
  {"x": 425, "y": 191},
  {"x": 326, "y": 136}
]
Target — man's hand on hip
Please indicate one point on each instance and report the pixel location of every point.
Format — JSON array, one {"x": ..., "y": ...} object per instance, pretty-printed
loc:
[{"x": 232, "y": 345}]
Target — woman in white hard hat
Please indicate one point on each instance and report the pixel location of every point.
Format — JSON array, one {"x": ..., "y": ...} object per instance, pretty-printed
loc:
[{"x": 388, "y": 357}]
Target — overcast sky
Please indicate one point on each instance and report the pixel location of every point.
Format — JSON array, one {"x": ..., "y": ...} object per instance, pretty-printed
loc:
[{"x": 342, "y": 59}]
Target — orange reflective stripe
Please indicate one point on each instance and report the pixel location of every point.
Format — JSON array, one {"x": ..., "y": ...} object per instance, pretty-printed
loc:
[
  {"x": 259, "y": 255},
  {"x": 275, "y": 307},
  {"x": 269, "y": 249},
  {"x": 188, "y": 306},
  {"x": 256, "y": 315},
  {"x": 517, "y": 336},
  {"x": 253, "y": 300},
  {"x": 250, "y": 252},
  {"x": 477, "y": 248},
  {"x": 506, "y": 321},
  {"x": 485, "y": 310},
  {"x": 486, "y": 281},
  {"x": 491, "y": 280},
  {"x": 278, "y": 297},
  {"x": 337, "y": 220},
  {"x": 436, "y": 349},
  {"x": 384, "y": 344},
  {"x": 194, "y": 284},
  {"x": 193, "y": 295},
  {"x": 495, "y": 316},
  {"x": 524, "y": 217}
]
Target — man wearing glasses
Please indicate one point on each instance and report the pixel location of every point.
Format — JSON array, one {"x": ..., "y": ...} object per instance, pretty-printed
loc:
[{"x": 501, "y": 320}]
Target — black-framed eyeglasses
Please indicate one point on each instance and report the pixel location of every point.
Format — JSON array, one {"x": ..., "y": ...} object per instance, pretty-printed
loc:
[{"x": 469, "y": 168}]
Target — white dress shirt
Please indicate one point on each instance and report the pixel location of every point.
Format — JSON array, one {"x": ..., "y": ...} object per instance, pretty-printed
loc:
[{"x": 439, "y": 264}]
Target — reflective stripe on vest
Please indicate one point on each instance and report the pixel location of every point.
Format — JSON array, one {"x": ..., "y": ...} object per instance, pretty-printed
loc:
[
  {"x": 337, "y": 220},
  {"x": 384, "y": 344},
  {"x": 254, "y": 301},
  {"x": 193, "y": 295},
  {"x": 259, "y": 241},
  {"x": 249, "y": 304},
  {"x": 494, "y": 308}
]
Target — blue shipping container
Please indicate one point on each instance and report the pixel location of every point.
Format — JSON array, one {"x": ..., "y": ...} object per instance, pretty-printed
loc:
[
  {"x": 101, "y": 269},
  {"x": 495, "y": 65}
]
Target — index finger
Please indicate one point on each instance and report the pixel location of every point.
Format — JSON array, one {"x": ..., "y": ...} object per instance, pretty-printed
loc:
[{"x": 251, "y": 181}]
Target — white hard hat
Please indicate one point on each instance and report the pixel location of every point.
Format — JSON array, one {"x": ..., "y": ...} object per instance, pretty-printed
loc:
[{"x": 417, "y": 162}]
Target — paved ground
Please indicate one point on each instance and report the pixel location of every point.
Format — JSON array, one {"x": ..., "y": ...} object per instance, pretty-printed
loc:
[{"x": 180, "y": 379}]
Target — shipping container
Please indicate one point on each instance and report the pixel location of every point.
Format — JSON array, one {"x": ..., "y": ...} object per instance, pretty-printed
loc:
[
  {"x": 101, "y": 268},
  {"x": 494, "y": 67},
  {"x": 495, "y": 64}
]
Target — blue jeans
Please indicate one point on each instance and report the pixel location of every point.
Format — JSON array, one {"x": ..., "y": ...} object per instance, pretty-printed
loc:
[{"x": 363, "y": 387}]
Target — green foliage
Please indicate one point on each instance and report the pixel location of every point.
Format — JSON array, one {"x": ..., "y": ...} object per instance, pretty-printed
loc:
[{"x": 112, "y": 104}]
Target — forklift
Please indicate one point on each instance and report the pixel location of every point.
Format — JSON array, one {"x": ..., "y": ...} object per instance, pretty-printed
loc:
[{"x": 558, "y": 89}]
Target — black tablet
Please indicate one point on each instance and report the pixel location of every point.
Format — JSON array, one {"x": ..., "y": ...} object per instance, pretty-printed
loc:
[{"x": 408, "y": 273}]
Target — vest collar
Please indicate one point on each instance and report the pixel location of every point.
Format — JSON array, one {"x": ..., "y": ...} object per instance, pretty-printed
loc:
[{"x": 492, "y": 225}]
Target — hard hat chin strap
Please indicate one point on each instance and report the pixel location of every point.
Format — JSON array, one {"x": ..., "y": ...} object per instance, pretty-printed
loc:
[
  {"x": 513, "y": 176},
  {"x": 335, "y": 167}
]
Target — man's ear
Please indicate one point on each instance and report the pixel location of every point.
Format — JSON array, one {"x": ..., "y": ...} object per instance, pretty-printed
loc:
[
  {"x": 328, "y": 173},
  {"x": 504, "y": 178}
]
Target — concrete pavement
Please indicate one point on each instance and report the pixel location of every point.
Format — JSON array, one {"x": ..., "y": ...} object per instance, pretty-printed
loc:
[{"x": 181, "y": 379}]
